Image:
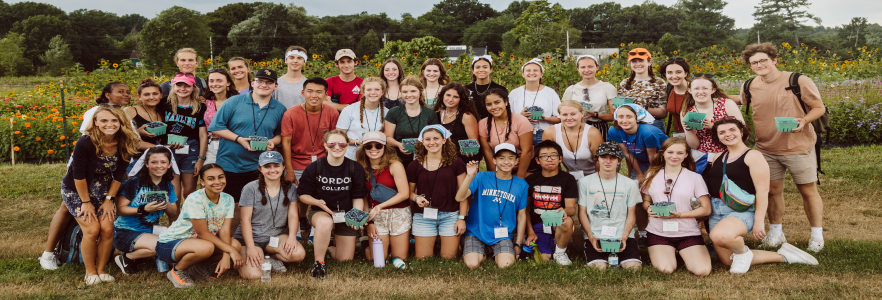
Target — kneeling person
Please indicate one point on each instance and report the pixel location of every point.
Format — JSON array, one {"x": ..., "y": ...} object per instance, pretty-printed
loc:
[{"x": 551, "y": 191}]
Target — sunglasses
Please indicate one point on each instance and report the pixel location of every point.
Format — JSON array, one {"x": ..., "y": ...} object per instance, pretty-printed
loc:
[
  {"x": 669, "y": 183},
  {"x": 635, "y": 53},
  {"x": 189, "y": 75},
  {"x": 705, "y": 75},
  {"x": 586, "y": 98},
  {"x": 334, "y": 145},
  {"x": 217, "y": 70},
  {"x": 372, "y": 146}
]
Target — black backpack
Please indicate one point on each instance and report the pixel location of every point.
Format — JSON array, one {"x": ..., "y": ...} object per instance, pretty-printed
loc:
[
  {"x": 68, "y": 248},
  {"x": 821, "y": 125}
]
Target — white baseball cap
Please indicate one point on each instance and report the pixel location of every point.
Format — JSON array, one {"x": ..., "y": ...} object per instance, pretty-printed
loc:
[{"x": 505, "y": 147}]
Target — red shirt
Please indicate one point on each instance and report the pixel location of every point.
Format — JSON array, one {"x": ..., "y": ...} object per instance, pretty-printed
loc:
[
  {"x": 383, "y": 177},
  {"x": 348, "y": 92},
  {"x": 675, "y": 104},
  {"x": 306, "y": 137}
]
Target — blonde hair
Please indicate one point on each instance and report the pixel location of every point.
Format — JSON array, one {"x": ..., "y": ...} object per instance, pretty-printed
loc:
[
  {"x": 364, "y": 98},
  {"x": 333, "y": 132},
  {"x": 173, "y": 100},
  {"x": 182, "y": 50},
  {"x": 415, "y": 82},
  {"x": 127, "y": 140},
  {"x": 571, "y": 103}
]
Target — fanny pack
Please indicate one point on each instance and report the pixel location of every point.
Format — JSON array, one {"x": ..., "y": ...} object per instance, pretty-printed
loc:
[
  {"x": 732, "y": 195},
  {"x": 380, "y": 192}
]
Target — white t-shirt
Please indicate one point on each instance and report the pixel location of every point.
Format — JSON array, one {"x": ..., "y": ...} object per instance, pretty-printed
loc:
[
  {"x": 289, "y": 93},
  {"x": 598, "y": 94},
  {"x": 546, "y": 98},
  {"x": 350, "y": 120}
]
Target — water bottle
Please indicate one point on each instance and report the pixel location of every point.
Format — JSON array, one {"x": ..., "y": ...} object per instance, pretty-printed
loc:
[
  {"x": 399, "y": 263},
  {"x": 161, "y": 266},
  {"x": 266, "y": 267},
  {"x": 613, "y": 260},
  {"x": 377, "y": 251},
  {"x": 537, "y": 255},
  {"x": 526, "y": 251}
]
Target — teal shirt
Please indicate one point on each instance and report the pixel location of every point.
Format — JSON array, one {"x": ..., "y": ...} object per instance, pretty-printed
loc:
[{"x": 241, "y": 115}]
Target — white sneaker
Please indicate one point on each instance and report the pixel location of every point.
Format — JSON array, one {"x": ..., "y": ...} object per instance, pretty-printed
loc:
[
  {"x": 795, "y": 255},
  {"x": 277, "y": 265},
  {"x": 562, "y": 259},
  {"x": 816, "y": 244},
  {"x": 48, "y": 263},
  {"x": 774, "y": 240},
  {"x": 741, "y": 262},
  {"x": 94, "y": 279}
]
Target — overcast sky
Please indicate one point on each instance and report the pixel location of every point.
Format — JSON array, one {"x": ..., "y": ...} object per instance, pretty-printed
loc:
[{"x": 832, "y": 13}]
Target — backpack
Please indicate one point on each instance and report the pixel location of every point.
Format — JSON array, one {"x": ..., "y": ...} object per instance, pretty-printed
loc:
[
  {"x": 668, "y": 89},
  {"x": 68, "y": 248},
  {"x": 821, "y": 125}
]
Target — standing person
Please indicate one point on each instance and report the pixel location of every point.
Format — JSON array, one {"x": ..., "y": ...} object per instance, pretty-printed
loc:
[
  {"x": 138, "y": 215},
  {"x": 392, "y": 75},
  {"x": 303, "y": 127},
  {"x": 676, "y": 71},
  {"x": 187, "y": 61},
  {"x": 491, "y": 221},
  {"x": 705, "y": 97},
  {"x": 748, "y": 172},
  {"x": 220, "y": 88},
  {"x": 185, "y": 116},
  {"x": 797, "y": 150},
  {"x": 332, "y": 186},
  {"x": 434, "y": 178},
  {"x": 458, "y": 115},
  {"x": 367, "y": 116},
  {"x": 578, "y": 140},
  {"x": 269, "y": 219},
  {"x": 592, "y": 91},
  {"x": 406, "y": 121},
  {"x": 503, "y": 126},
  {"x": 533, "y": 93},
  {"x": 241, "y": 117},
  {"x": 609, "y": 213},
  {"x": 678, "y": 232},
  {"x": 201, "y": 235},
  {"x": 434, "y": 77},
  {"x": 482, "y": 83},
  {"x": 89, "y": 188},
  {"x": 390, "y": 219},
  {"x": 551, "y": 191},
  {"x": 290, "y": 91},
  {"x": 648, "y": 91},
  {"x": 344, "y": 89},
  {"x": 241, "y": 73}
]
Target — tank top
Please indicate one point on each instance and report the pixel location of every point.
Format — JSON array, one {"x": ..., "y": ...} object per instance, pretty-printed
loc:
[
  {"x": 140, "y": 121},
  {"x": 737, "y": 171},
  {"x": 581, "y": 160},
  {"x": 705, "y": 139},
  {"x": 383, "y": 177},
  {"x": 458, "y": 133}
]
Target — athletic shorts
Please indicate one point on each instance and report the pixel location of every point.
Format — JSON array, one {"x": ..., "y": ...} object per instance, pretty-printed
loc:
[{"x": 472, "y": 244}]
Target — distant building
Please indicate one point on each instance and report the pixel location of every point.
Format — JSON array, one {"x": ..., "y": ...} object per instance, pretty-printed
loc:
[
  {"x": 135, "y": 57},
  {"x": 454, "y": 51},
  {"x": 600, "y": 53}
]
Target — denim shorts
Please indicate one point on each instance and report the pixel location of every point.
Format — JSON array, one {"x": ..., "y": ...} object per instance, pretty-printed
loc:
[
  {"x": 537, "y": 137},
  {"x": 643, "y": 168},
  {"x": 720, "y": 211},
  {"x": 124, "y": 239},
  {"x": 187, "y": 162},
  {"x": 443, "y": 226},
  {"x": 166, "y": 251}
]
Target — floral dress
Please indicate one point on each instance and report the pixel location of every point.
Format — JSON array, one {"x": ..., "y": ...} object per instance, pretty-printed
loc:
[
  {"x": 98, "y": 187},
  {"x": 705, "y": 139}
]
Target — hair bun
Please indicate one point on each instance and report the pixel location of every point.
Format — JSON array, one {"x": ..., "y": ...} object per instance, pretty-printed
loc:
[{"x": 146, "y": 81}]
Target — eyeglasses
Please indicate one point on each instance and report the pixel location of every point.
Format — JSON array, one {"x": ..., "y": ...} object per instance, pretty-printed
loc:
[
  {"x": 334, "y": 145},
  {"x": 260, "y": 82},
  {"x": 372, "y": 146},
  {"x": 705, "y": 75},
  {"x": 188, "y": 75},
  {"x": 548, "y": 157},
  {"x": 759, "y": 62},
  {"x": 635, "y": 53},
  {"x": 669, "y": 184},
  {"x": 217, "y": 70},
  {"x": 586, "y": 98}
]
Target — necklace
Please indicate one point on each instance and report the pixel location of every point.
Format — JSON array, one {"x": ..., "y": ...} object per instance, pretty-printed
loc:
[
  {"x": 485, "y": 90},
  {"x": 445, "y": 115},
  {"x": 148, "y": 113}
]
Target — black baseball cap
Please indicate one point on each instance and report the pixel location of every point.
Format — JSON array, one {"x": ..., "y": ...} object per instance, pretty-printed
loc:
[{"x": 266, "y": 74}]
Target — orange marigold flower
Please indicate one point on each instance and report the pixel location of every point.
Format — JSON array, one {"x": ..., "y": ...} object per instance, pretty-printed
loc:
[
  {"x": 17, "y": 132},
  {"x": 62, "y": 137},
  {"x": 27, "y": 124},
  {"x": 50, "y": 151},
  {"x": 16, "y": 148},
  {"x": 38, "y": 139}
]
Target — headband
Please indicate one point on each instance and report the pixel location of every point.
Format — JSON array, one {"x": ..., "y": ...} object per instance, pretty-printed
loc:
[
  {"x": 296, "y": 52},
  {"x": 536, "y": 61},
  {"x": 642, "y": 115},
  {"x": 588, "y": 56},
  {"x": 487, "y": 57},
  {"x": 140, "y": 163},
  {"x": 444, "y": 132}
]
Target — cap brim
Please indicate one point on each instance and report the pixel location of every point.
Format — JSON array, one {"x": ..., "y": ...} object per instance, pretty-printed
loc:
[{"x": 505, "y": 150}]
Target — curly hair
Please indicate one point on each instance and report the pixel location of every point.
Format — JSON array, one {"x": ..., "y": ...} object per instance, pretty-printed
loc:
[
  {"x": 389, "y": 156},
  {"x": 127, "y": 140},
  {"x": 753, "y": 49},
  {"x": 658, "y": 161},
  {"x": 465, "y": 103},
  {"x": 448, "y": 150}
]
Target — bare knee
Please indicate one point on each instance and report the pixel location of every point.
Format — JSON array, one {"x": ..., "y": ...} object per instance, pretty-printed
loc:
[
  {"x": 251, "y": 274},
  {"x": 720, "y": 237},
  {"x": 90, "y": 230},
  {"x": 598, "y": 265},
  {"x": 633, "y": 265},
  {"x": 701, "y": 271},
  {"x": 666, "y": 269}
]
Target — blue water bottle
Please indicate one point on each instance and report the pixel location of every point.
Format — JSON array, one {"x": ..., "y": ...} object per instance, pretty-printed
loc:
[{"x": 161, "y": 266}]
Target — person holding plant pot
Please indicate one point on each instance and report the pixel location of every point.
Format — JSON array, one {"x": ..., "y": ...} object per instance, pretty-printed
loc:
[
  {"x": 648, "y": 91},
  {"x": 706, "y": 98},
  {"x": 578, "y": 140},
  {"x": 594, "y": 92},
  {"x": 458, "y": 115},
  {"x": 184, "y": 115},
  {"x": 482, "y": 83},
  {"x": 505, "y": 127},
  {"x": 406, "y": 121},
  {"x": 532, "y": 96}
]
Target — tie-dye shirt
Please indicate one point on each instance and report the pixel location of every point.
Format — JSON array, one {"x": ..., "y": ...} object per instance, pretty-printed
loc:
[
  {"x": 133, "y": 190},
  {"x": 197, "y": 206}
]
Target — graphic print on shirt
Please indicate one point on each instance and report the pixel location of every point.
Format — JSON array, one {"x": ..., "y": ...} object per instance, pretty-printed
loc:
[
  {"x": 334, "y": 184},
  {"x": 151, "y": 217},
  {"x": 603, "y": 205},
  {"x": 547, "y": 197},
  {"x": 497, "y": 194},
  {"x": 177, "y": 128},
  {"x": 215, "y": 222},
  {"x": 180, "y": 120},
  {"x": 356, "y": 90}
]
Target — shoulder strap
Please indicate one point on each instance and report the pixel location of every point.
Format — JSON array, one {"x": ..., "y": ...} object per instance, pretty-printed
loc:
[
  {"x": 746, "y": 100},
  {"x": 668, "y": 88},
  {"x": 796, "y": 90},
  {"x": 318, "y": 167}
]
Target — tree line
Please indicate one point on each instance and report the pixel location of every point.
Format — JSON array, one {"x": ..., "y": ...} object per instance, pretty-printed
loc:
[{"x": 39, "y": 37}]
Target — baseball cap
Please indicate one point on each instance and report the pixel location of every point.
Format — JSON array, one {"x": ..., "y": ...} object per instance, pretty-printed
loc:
[
  {"x": 373, "y": 137},
  {"x": 609, "y": 148},
  {"x": 640, "y": 53},
  {"x": 266, "y": 74},
  {"x": 344, "y": 53},
  {"x": 505, "y": 147},
  {"x": 270, "y": 157},
  {"x": 185, "y": 78}
]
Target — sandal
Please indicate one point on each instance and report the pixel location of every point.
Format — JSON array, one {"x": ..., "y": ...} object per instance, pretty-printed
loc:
[
  {"x": 106, "y": 278},
  {"x": 94, "y": 279}
]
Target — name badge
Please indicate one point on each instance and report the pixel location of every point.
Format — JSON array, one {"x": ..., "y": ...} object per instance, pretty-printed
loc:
[
  {"x": 339, "y": 216},
  {"x": 608, "y": 231},
  {"x": 546, "y": 229},
  {"x": 314, "y": 158},
  {"x": 500, "y": 232},
  {"x": 670, "y": 226},
  {"x": 274, "y": 242},
  {"x": 158, "y": 229},
  {"x": 184, "y": 150},
  {"x": 577, "y": 174},
  {"x": 430, "y": 213},
  {"x": 215, "y": 145}
]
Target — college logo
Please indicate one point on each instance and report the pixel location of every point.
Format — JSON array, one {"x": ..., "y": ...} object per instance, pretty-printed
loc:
[
  {"x": 356, "y": 90},
  {"x": 266, "y": 72}
]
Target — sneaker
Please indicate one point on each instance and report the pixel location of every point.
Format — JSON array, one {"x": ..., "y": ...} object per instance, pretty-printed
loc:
[
  {"x": 278, "y": 265},
  {"x": 125, "y": 264},
  {"x": 309, "y": 240},
  {"x": 180, "y": 279},
  {"x": 94, "y": 279},
  {"x": 201, "y": 272},
  {"x": 106, "y": 278},
  {"x": 562, "y": 259},
  {"x": 318, "y": 270},
  {"x": 299, "y": 239},
  {"x": 741, "y": 262},
  {"x": 793, "y": 255},
  {"x": 816, "y": 244},
  {"x": 774, "y": 240},
  {"x": 641, "y": 242},
  {"x": 48, "y": 263}
]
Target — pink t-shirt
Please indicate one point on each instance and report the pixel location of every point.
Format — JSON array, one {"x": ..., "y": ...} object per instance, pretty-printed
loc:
[
  {"x": 688, "y": 185},
  {"x": 519, "y": 126},
  {"x": 348, "y": 92}
]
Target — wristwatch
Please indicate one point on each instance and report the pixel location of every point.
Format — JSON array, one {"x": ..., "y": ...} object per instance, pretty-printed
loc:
[
  {"x": 202, "y": 157},
  {"x": 461, "y": 217}
]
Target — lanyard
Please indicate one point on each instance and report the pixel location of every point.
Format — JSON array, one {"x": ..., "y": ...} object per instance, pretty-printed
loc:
[
  {"x": 254, "y": 120},
  {"x": 606, "y": 202},
  {"x": 410, "y": 120},
  {"x": 534, "y": 97},
  {"x": 502, "y": 199},
  {"x": 431, "y": 183},
  {"x": 317, "y": 126},
  {"x": 576, "y": 148},
  {"x": 376, "y": 119},
  {"x": 496, "y": 129},
  {"x": 672, "y": 184},
  {"x": 273, "y": 209}
]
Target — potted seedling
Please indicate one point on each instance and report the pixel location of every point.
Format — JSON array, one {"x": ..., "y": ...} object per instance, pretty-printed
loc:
[
  {"x": 694, "y": 120},
  {"x": 469, "y": 146},
  {"x": 258, "y": 142},
  {"x": 535, "y": 112}
]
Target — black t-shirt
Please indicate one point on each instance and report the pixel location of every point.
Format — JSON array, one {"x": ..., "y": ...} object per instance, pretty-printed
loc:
[
  {"x": 438, "y": 186},
  {"x": 478, "y": 92},
  {"x": 548, "y": 193},
  {"x": 184, "y": 122},
  {"x": 335, "y": 185}
]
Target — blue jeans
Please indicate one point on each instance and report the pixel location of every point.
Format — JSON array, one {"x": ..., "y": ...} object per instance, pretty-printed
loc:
[
  {"x": 660, "y": 124},
  {"x": 166, "y": 251},
  {"x": 537, "y": 137},
  {"x": 124, "y": 240},
  {"x": 187, "y": 162}
]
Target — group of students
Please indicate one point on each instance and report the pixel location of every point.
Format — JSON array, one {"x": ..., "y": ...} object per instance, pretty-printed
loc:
[{"x": 401, "y": 149}]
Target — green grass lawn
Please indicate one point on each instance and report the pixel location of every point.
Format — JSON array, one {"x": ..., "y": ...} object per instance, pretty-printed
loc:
[{"x": 851, "y": 266}]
